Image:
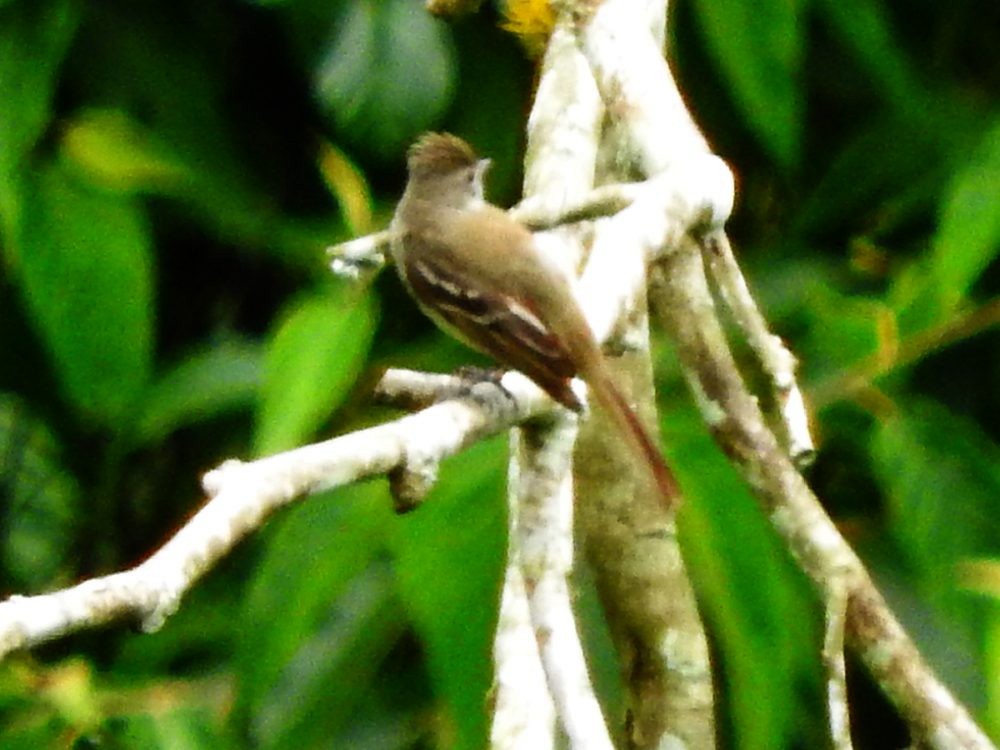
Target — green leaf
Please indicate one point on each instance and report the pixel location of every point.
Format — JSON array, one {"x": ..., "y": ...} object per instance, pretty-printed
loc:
[
  {"x": 865, "y": 29},
  {"x": 85, "y": 270},
  {"x": 850, "y": 191},
  {"x": 30, "y": 721},
  {"x": 305, "y": 638},
  {"x": 187, "y": 115},
  {"x": 41, "y": 501},
  {"x": 315, "y": 355},
  {"x": 180, "y": 104},
  {"x": 176, "y": 727},
  {"x": 346, "y": 650},
  {"x": 968, "y": 237},
  {"x": 991, "y": 666},
  {"x": 338, "y": 621},
  {"x": 916, "y": 299},
  {"x": 116, "y": 151},
  {"x": 205, "y": 384},
  {"x": 756, "y": 602},
  {"x": 490, "y": 62},
  {"x": 387, "y": 73},
  {"x": 941, "y": 476},
  {"x": 34, "y": 36},
  {"x": 758, "y": 48},
  {"x": 449, "y": 561},
  {"x": 842, "y": 330}
]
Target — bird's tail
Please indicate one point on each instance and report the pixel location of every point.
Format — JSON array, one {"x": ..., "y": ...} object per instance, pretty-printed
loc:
[{"x": 610, "y": 398}]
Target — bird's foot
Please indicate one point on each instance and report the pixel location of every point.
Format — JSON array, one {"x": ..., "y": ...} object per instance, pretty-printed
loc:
[{"x": 473, "y": 376}]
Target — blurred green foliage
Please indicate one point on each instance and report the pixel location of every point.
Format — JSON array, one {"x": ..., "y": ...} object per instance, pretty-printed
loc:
[{"x": 169, "y": 175}]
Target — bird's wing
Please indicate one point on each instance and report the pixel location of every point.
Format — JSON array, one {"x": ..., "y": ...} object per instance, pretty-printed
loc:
[{"x": 494, "y": 322}]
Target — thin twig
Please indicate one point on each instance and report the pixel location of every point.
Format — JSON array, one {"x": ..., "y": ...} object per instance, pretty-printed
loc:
[
  {"x": 775, "y": 359},
  {"x": 838, "y": 707},
  {"x": 911, "y": 349}
]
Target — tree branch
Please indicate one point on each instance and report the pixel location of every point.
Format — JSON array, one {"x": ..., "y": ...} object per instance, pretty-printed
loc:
[
  {"x": 683, "y": 303},
  {"x": 523, "y": 712},
  {"x": 776, "y": 361},
  {"x": 639, "y": 575},
  {"x": 542, "y": 500},
  {"x": 242, "y": 495},
  {"x": 658, "y": 133},
  {"x": 835, "y": 666}
]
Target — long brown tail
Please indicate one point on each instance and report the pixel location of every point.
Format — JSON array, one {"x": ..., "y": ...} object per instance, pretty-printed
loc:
[{"x": 611, "y": 400}]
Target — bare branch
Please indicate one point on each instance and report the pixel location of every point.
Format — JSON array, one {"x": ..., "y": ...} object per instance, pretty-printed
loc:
[
  {"x": 684, "y": 304},
  {"x": 639, "y": 91},
  {"x": 775, "y": 359},
  {"x": 836, "y": 670},
  {"x": 541, "y": 483},
  {"x": 242, "y": 495},
  {"x": 562, "y": 137},
  {"x": 659, "y": 134},
  {"x": 662, "y": 652},
  {"x": 523, "y": 712},
  {"x": 358, "y": 257}
]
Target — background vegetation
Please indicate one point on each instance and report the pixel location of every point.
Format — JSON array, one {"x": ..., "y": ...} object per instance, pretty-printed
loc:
[{"x": 169, "y": 175}]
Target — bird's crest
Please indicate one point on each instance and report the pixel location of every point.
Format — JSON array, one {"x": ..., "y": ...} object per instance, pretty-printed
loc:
[{"x": 440, "y": 152}]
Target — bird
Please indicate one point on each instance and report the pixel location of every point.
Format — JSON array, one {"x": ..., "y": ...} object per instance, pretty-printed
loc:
[{"x": 480, "y": 276}]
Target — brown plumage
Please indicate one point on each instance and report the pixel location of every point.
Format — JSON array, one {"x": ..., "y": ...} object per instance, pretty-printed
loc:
[
  {"x": 478, "y": 274},
  {"x": 436, "y": 152}
]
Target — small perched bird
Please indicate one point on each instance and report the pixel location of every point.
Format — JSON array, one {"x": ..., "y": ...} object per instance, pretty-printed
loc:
[{"x": 480, "y": 276}]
